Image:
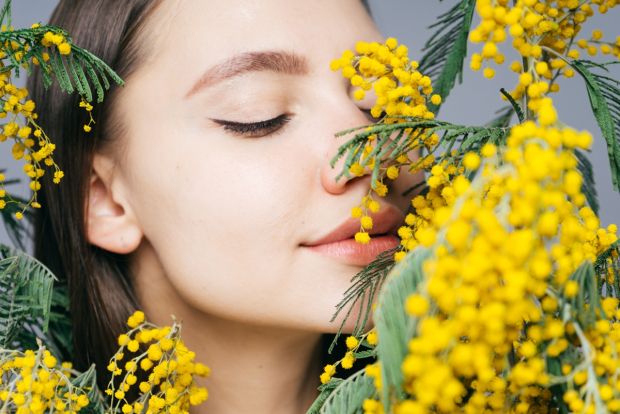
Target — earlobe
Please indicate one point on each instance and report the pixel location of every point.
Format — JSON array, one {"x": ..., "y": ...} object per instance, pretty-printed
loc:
[{"x": 110, "y": 222}]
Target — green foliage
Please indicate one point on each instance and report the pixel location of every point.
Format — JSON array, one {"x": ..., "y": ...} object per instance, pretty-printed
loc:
[
  {"x": 588, "y": 294},
  {"x": 459, "y": 138},
  {"x": 87, "y": 381},
  {"x": 604, "y": 94},
  {"x": 80, "y": 71},
  {"x": 394, "y": 326},
  {"x": 446, "y": 50},
  {"x": 348, "y": 396},
  {"x": 515, "y": 106},
  {"x": 25, "y": 298},
  {"x": 503, "y": 117},
  {"x": 364, "y": 286},
  {"x": 5, "y": 13},
  {"x": 77, "y": 71},
  {"x": 31, "y": 307},
  {"x": 588, "y": 187},
  {"x": 608, "y": 264},
  {"x": 325, "y": 391}
]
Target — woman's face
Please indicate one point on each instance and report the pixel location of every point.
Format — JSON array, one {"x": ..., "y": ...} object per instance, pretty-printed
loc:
[{"x": 226, "y": 210}]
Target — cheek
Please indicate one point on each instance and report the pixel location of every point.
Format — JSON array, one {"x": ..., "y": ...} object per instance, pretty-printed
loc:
[{"x": 223, "y": 217}]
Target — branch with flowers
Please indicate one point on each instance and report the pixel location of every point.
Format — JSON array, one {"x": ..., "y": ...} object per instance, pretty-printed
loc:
[{"x": 503, "y": 294}]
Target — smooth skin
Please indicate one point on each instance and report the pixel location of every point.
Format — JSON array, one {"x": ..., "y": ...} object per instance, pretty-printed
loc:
[{"x": 215, "y": 219}]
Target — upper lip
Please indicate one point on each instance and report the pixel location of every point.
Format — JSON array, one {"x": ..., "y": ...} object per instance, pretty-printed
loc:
[{"x": 386, "y": 220}]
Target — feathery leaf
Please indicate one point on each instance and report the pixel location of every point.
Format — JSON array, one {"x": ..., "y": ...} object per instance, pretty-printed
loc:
[
  {"x": 458, "y": 137},
  {"x": 6, "y": 13},
  {"x": 25, "y": 294},
  {"x": 364, "y": 286},
  {"x": 604, "y": 94},
  {"x": 588, "y": 187},
  {"x": 349, "y": 395},
  {"x": 60, "y": 71},
  {"x": 394, "y": 325},
  {"x": 446, "y": 50},
  {"x": 503, "y": 118},
  {"x": 324, "y": 391},
  {"x": 515, "y": 106}
]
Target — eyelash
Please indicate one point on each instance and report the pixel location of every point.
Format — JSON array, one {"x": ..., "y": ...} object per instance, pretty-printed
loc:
[
  {"x": 267, "y": 127},
  {"x": 255, "y": 129}
]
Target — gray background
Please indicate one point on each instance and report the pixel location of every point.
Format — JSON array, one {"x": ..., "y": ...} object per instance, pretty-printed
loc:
[{"x": 473, "y": 102}]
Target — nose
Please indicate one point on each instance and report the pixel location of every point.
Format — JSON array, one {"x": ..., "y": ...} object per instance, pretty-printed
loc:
[{"x": 353, "y": 117}]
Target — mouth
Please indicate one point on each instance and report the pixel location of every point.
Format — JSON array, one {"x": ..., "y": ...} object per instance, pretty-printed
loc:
[
  {"x": 353, "y": 253},
  {"x": 340, "y": 242}
]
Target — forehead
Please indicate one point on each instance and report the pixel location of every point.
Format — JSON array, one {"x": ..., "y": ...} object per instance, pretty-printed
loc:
[{"x": 207, "y": 31}]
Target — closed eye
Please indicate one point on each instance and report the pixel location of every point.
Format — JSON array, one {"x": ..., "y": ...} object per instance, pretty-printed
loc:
[{"x": 254, "y": 129}]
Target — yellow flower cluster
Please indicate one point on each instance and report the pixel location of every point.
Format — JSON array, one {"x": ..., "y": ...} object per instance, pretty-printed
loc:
[
  {"x": 50, "y": 39},
  {"x": 500, "y": 280},
  {"x": 595, "y": 42},
  {"x": 368, "y": 341},
  {"x": 34, "y": 383},
  {"x": 30, "y": 143},
  {"x": 370, "y": 405},
  {"x": 510, "y": 304},
  {"x": 445, "y": 184},
  {"x": 161, "y": 354},
  {"x": 543, "y": 33},
  {"x": 400, "y": 91}
]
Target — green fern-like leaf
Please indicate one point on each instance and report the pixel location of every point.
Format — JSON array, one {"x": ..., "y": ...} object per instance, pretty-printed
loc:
[
  {"x": 325, "y": 391},
  {"x": 607, "y": 269},
  {"x": 394, "y": 326},
  {"x": 80, "y": 71},
  {"x": 587, "y": 301},
  {"x": 588, "y": 188},
  {"x": 604, "y": 94},
  {"x": 459, "y": 138},
  {"x": 503, "y": 118},
  {"x": 25, "y": 297},
  {"x": 365, "y": 285},
  {"x": 5, "y": 14},
  {"x": 515, "y": 106},
  {"x": 446, "y": 50},
  {"x": 87, "y": 381},
  {"x": 349, "y": 395}
]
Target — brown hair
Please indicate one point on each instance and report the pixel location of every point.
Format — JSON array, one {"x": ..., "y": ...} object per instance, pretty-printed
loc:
[{"x": 100, "y": 291}]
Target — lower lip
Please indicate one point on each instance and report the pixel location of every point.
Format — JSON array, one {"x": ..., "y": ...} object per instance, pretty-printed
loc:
[{"x": 354, "y": 253}]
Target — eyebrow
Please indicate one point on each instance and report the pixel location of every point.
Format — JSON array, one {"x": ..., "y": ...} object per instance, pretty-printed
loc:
[{"x": 273, "y": 61}]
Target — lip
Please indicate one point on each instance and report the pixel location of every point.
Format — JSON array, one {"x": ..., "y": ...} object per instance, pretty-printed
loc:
[{"x": 340, "y": 242}]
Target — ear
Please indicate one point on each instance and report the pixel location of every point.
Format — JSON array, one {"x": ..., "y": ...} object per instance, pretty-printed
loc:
[{"x": 110, "y": 221}]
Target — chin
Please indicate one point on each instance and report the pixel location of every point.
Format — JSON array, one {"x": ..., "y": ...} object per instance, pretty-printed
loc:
[{"x": 349, "y": 326}]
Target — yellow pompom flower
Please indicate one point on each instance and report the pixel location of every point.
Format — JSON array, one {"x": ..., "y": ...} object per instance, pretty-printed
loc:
[
  {"x": 471, "y": 161},
  {"x": 64, "y": 48},
  {"x": 416, "y": 305},
  {"x": 362, "y": 237},
  {"x": 351, "y": 342},
  {"x": 366, "y": 222}
]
